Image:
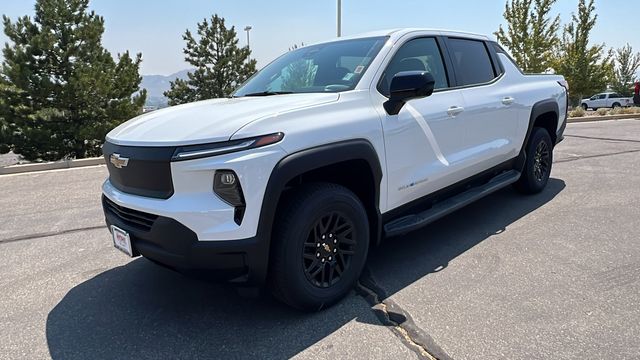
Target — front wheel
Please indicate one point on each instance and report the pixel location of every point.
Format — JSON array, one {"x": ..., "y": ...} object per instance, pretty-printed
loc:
[
  {"x": 615, "y": 105},
  {"x": 320, "y": 243},
  {"x": 537, "y": 168},
  {"x": 584, "y": 107}
]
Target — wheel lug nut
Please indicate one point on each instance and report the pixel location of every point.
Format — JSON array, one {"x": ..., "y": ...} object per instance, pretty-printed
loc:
[
  {"x": 335, "y": 250},
  {"x": 335, "y": 241},
  {"x": 330, "y": 235},
  {"x": 323, "y": 236},
  {"x": 318, "y": 255},
  {"x": 317, "y": 244},
  {"x": 329, "y": 258},
  {"x": 322, "y": 259}
]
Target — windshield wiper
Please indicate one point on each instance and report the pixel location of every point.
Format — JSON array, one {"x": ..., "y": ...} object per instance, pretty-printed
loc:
[{"x": 268, "y": 93}]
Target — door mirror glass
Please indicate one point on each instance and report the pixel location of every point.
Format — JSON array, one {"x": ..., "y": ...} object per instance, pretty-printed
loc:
[{"x": 407, "y": 85}]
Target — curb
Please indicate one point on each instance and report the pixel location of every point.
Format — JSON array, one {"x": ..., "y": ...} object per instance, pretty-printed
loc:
[
  {"x": 603, "y": 118},
  {"x": 66, "y": 164}
]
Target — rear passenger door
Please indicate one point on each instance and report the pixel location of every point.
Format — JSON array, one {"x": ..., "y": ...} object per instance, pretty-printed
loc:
[{"x": 490, "y": 107}]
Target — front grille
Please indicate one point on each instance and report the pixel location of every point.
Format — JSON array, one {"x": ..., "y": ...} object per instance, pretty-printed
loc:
[
  {"x": 134, "y": 218},
  {"x": 147, "y": 171}
]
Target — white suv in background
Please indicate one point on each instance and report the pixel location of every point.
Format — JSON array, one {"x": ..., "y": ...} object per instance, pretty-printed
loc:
[{"x": 324, "y": 152}]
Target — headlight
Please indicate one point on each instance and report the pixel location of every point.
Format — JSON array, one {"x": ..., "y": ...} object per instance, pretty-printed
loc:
[{"x": 205, "y": 150}]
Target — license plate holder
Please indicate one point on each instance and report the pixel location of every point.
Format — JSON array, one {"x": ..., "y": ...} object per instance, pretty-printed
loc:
[{"x": 121, "y": 240}]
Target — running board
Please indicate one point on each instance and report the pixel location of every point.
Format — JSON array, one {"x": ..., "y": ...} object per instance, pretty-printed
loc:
[{"x": 412, "y": 222}]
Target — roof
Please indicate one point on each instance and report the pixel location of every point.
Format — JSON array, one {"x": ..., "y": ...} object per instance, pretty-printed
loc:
[{"x": 398, "y": 33}]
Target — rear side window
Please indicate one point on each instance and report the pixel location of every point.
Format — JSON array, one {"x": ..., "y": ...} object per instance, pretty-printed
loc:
[
  {"x": 471, "y": 61},
  {"x": 614, "y": 95}
]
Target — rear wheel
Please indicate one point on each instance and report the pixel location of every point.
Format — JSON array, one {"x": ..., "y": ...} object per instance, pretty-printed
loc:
[
  {"x": 537, "y": 168},
  {"x": 320, "y": 244}
]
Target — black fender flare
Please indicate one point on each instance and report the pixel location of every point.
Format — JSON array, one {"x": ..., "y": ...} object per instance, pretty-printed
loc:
[
  {"x": 539, "y": 108},
  {"x": 299, "y": 163}
]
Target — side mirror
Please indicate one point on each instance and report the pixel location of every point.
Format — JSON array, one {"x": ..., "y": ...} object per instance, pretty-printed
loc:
[{"x": 407, "y": 85}]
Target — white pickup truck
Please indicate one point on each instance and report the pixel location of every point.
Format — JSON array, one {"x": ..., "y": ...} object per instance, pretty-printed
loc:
[
  {"x": 606, "y": 100},
  {"x": 326, "y": 151}
]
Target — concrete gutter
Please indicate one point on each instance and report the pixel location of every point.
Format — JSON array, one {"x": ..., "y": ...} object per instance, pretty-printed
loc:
[{"x": 66, "y": 164}]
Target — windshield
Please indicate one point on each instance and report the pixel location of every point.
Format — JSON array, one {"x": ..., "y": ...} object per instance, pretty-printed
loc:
[{"x": 330, "y": 67}]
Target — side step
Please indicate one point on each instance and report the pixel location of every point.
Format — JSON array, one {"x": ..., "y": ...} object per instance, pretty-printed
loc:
[{"x": 412, "y": 222}]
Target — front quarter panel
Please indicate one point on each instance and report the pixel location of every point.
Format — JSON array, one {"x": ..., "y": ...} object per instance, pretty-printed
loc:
[{"x": 351, "y": 117}]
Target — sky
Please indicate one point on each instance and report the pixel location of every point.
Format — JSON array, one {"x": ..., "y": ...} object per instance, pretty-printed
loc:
[{"x": 155, "y": 27}]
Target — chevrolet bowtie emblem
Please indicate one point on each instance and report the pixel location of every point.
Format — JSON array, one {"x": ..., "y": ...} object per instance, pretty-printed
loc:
[{"x": 118, "y": 161}]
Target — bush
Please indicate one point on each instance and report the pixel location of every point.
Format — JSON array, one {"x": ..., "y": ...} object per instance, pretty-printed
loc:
[
  {"x": 602, "y": 111},
  {"x": 577, "y": 112},
  {"x": 625, "y": 111}
]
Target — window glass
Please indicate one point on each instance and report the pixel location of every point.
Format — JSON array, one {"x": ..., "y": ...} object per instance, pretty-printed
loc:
[
  {"x": 602, "y": 96},
  {"x": 416, "y": 55},
  {"x": 329, "y": 67},
  {"x": 471, "y": 61},
  {"x": 614, "y": 95}
]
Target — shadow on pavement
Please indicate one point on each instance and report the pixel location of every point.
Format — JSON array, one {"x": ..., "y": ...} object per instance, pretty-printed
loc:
[
  {"x": 141, "y": 310},
  {"x": 402, "y": 260}
]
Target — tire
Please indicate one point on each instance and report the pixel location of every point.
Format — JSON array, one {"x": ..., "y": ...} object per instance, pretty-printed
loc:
[
  {"x": 537, "y": 168},
  {"x": 585, "y": 107},
  {"x": 615, "y": 105},
  {"x": 309, "y": 270}
]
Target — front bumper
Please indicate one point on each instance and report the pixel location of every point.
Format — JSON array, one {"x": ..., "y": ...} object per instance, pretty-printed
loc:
[{"x": 171, "y": 244}]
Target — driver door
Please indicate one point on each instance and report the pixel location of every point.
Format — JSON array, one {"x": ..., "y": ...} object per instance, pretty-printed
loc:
[{"x": 422, "y": 140}]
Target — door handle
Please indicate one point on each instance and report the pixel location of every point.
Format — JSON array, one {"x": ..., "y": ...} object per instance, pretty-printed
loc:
[
  {"x": 455, "y": 110},
  {"x": 507, "y": 100}
]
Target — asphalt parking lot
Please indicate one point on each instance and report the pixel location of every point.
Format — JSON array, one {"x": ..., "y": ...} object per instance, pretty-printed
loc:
[{"x": 550, "y": 276}]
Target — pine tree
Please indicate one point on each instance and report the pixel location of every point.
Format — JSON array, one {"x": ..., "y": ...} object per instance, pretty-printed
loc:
[
  {"x": 299, "y": 74},
  {"x": 220, "y": 65},
  {"x": 531, "y": 34},
  {"x": 61, "y": 90},
  {"x": 627, "y": 64},
  {"x": 587, "y": 69}
]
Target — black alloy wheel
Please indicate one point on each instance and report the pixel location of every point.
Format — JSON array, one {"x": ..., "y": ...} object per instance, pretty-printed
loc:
[
  {"x": 542, "y": 161},
  {"x": 320, "y": 243},
  {"x": 329, "y": 249},
  {"x": 537, "y": 167}
]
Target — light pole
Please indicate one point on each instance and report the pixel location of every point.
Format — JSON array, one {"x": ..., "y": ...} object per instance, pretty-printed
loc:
[
  {"x": 247, "y": 29},
  {"x": 339, "y": 18}
]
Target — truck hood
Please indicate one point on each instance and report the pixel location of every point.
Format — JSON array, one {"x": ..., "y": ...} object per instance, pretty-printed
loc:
[{"x": 208, "y": 121}]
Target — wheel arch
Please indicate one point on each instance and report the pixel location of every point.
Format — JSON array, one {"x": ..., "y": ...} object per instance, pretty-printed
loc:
[
  {"x": 352, "y": 156},
  {"x": 544, "y": 113}
]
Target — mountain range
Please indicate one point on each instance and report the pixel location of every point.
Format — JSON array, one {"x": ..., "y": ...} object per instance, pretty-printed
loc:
[{"x": 156, "y": 85}]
